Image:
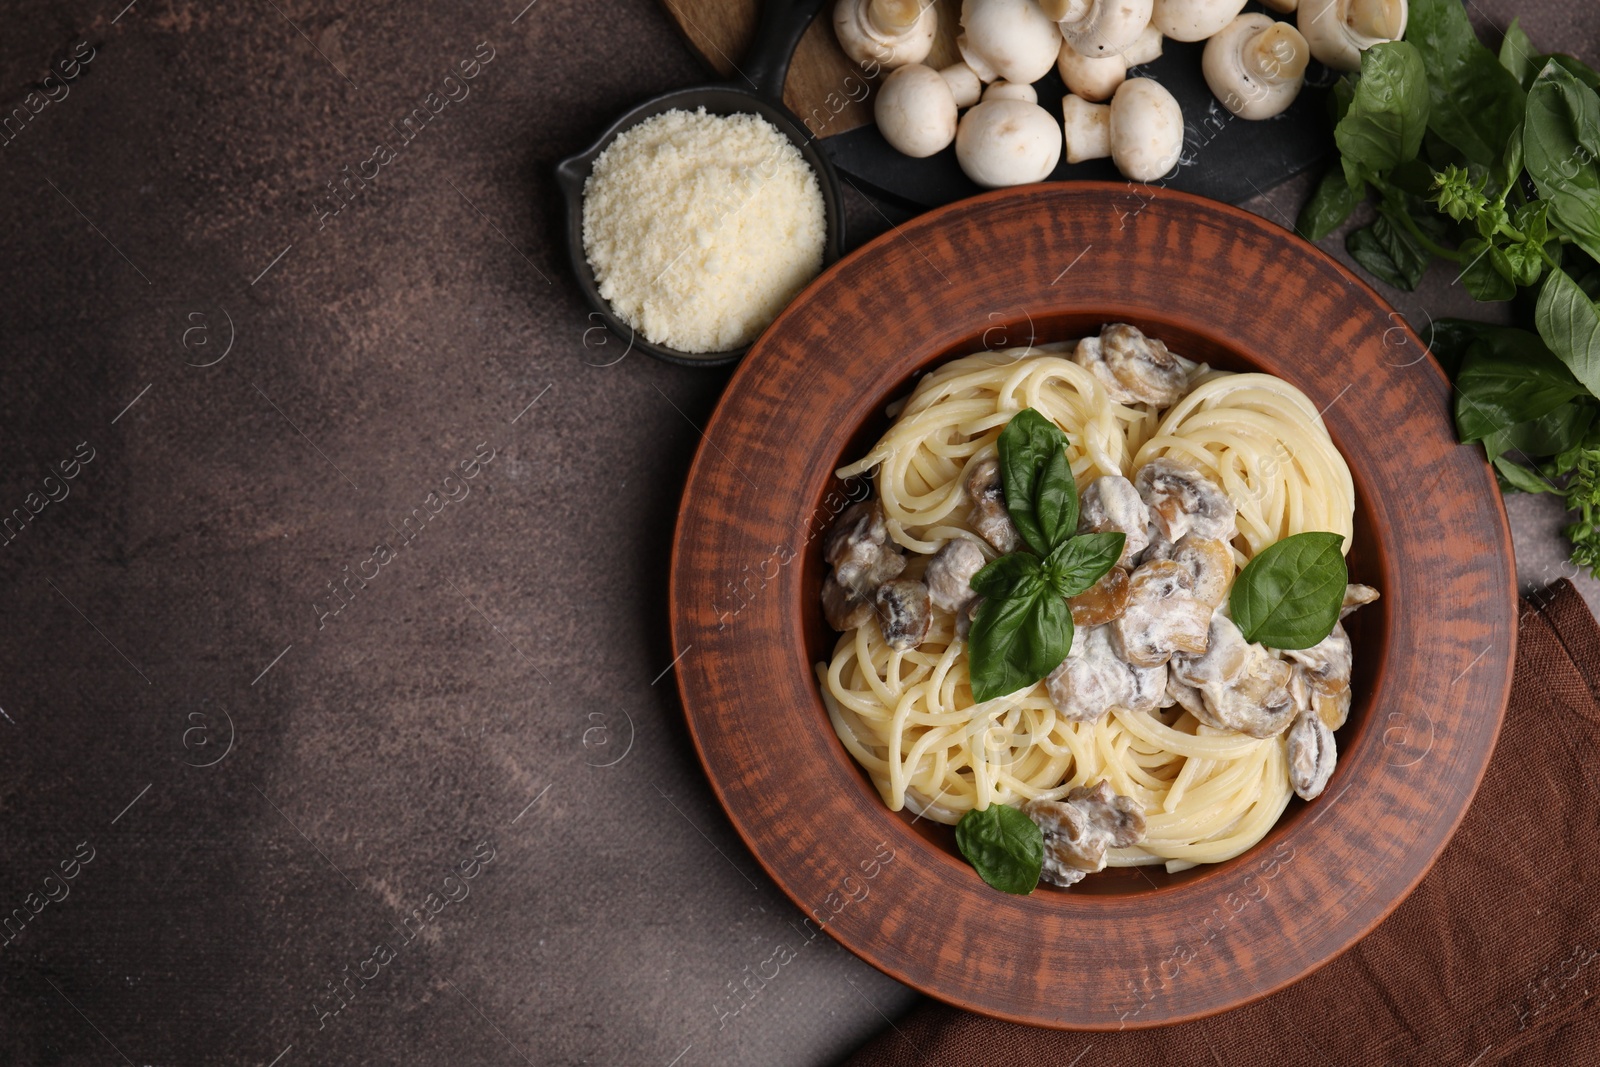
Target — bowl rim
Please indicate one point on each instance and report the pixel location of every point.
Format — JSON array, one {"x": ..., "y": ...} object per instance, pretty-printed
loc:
[
  {"x": 867, "y": 946},
  {"x": 573, "y": 172}
]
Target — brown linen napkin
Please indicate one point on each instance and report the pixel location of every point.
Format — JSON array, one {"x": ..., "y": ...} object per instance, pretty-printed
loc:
[{"x": 1495, "y": 958}]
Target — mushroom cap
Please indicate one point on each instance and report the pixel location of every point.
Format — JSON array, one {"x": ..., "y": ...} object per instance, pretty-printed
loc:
[
  {"x": 1091, "y": 77},
  {"x": 1107, "y": 26},
  {"x": 1007, "y": 142},
  {"x": 1004, "y": 90},
  {"x": 866, "y": 44},
  {"x": 915, "y": 111},
  {"x": 1010, "y": 39},
  {"x": 1330, "y": 28},
  {"x": 1236, "y": 86},
  {"x": 1146, "y": 48},
  {"x": 1193, "y": 20},
  {"x": 1146, "y": 130}
]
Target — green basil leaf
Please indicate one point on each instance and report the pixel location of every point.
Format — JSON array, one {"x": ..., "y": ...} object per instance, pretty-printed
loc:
[
  {"x": 1017, "y": 641},
  {"x": 1055, "y": 502},
  {"x": 1512, "y": 380},
  {"x": 1290, "y": 595},
  {"x": 1570, "y": 324},
  {"x": 1029, "y": 472},
  {"x": 1560, "y": 140},
  {"x": 1532, "y": 219},
  {"x": 1474, "y": 102},
  {"x": 1079, "y": 562},
  {"x": 1511, "y": 161},
  {"x": 1518, "y": 55},
  {"x": 1389, "y": 111},
  {"x": 1004, "y": 846},
  {"x": 1390, "y": 252},
  {"x": 1482, "y": 276},
  {"x": 1019, "y": 574},
  {"x": 1575, "y": 67},
  {"x": 1550, "y": 434},
  {"x": 1522, "y": 478},
  {"x": 1448, "y": 341},
  {"x": 1335, "y": 198}
]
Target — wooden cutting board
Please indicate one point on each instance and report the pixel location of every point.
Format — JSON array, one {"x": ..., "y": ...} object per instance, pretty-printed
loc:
[{"x": 824, "y": 88}]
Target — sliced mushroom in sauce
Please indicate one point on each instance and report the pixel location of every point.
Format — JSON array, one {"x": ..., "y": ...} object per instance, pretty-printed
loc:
[
  {"x": 1135, "y": 369},
  {"x": 1111, "y": 504},
  {"x": 843, "y": 611},
  {"x": 904, "y": 613},
  {"x": 1163, "y": 616},
  {"x": 1079, "y": 829},
  {"x": 989, "y": 517},
  {"x": 1243, "y": 687},
  {"x": 949, "y": 574},
  {"x": 1209, "y": 563},
  {"x": 860, "y": 551},
  {"x": 967, "y": 616},
  {"x": 1356, "y": 596},
  {"x": 1093, "y": 679},
  {"x": 1312, "y": 755},
  {"x": 1102, "y": 602},
  {"x": 1322, "y": 677},
  {"x": 1182, "y": 499}
]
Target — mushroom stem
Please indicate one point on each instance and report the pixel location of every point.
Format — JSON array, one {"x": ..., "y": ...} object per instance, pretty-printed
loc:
[
  {"x": 1086, "y": 129},
  {"x": 1277, "y": 54},
  {"x": 1381, "y": 19},
  {"x": 964, "y": 83},
  {"x": 894, "y": 17}
]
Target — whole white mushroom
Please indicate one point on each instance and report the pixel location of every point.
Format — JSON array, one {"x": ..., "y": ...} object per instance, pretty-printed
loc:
[
  {"x": 889, "y": 33},
  {"x": 1008, "y": 39},
  {"x": 1007, "y": 142},
  {"x": 1339, "y": 30},
  {"x": 916, "y": 111},
  {"x": 1256, "y": 65},
  {"x": 1101, "y": 27},
  {"x": 1097, "y": 77},
  {"x": 1141, "y": 129}
]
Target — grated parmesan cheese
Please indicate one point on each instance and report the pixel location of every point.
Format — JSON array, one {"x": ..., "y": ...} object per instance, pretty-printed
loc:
[{"x": 700, "y": 227}]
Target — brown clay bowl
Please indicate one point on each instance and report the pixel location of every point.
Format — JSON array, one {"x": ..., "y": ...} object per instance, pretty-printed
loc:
[{"x": 1125, "y": 948}]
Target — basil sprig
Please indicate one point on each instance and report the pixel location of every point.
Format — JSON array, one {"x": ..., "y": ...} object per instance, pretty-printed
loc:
[
  {"x": 1024, "y": 628},
  {"x": 1290, "y": 595},
  {"x": 1004, "y": 846},
  {"x": 1491, "y": 163}
]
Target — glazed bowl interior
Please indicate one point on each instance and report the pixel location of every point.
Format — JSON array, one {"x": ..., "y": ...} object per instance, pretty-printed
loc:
[
  {"x": 573, "y": 173},
  {"x": 1369, "y": 628}
]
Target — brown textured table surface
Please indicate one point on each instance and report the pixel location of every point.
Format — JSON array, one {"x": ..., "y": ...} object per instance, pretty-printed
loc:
[{"x": 470, "y": 754}]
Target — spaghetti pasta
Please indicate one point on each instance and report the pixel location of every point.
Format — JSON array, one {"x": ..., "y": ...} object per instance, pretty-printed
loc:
[{"x": 908, "y": 716}]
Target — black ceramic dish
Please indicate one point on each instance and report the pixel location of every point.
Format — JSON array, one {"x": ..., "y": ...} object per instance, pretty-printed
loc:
[{"x": 757, "y": 90}]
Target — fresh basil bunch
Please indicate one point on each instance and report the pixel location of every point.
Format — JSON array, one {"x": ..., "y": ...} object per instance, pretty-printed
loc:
[
  {"x": 1024, "y": 628},
  {"x": 1490, "y": 164}
]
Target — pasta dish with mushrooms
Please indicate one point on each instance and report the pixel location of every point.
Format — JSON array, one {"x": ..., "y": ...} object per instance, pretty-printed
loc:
[{"x": 1136, "y": 646}]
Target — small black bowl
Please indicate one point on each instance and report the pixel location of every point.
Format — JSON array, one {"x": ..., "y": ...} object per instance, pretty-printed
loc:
[{"x": 781, "y": 26}]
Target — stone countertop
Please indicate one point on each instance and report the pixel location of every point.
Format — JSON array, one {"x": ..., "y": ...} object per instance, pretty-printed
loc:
[{"x": 447, "y": 814}]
